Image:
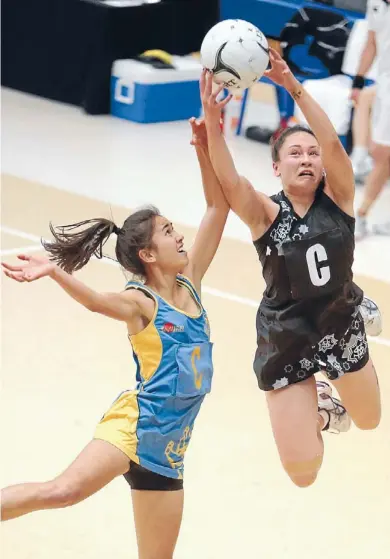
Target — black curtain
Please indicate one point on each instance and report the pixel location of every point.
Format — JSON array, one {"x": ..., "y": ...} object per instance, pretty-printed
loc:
[{"x": 63, "y": 49}]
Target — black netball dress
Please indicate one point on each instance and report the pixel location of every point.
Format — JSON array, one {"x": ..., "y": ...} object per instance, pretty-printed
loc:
[{"x": 308, "y": 320}]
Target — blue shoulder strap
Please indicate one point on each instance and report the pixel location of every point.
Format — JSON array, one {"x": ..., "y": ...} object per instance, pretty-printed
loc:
[
  {"x": 186, "y": 281},
  {"x": 142, "y": 287}
]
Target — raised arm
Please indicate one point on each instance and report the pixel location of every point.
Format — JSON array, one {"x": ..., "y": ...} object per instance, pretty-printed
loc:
[
  {"x": 213, "y": 223},
  {"x": 337, "y": 165},
  {"x": 120, "y": 306},
  {"x": 251, "y": 206}
]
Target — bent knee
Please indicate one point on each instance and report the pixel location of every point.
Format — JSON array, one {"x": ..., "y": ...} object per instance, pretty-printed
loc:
[
  {"x": 157, "y": 555},
  {"x": 368, "y": 424},
  {"x": 304, "y": 473},
  {"x": 61, "y": 494},
  {"x": 305, "y": 480}
]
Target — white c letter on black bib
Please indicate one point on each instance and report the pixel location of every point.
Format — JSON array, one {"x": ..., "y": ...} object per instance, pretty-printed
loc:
[{"x": 319, "y": 275}]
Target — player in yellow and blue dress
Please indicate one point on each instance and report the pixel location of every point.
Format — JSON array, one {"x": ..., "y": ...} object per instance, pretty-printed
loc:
[
  {"x": 174, "y": 369},
  {"x": 145, "y": 433}
]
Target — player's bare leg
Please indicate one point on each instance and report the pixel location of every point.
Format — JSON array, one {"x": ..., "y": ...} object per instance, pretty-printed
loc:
[{"x": 97, "y": 465}]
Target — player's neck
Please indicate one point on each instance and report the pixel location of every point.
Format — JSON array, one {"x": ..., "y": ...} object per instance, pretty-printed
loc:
[
  {"x": 297, "y": 195},
  {"x": 301, "y": 201},
  {"x": 164, "y": 284}
]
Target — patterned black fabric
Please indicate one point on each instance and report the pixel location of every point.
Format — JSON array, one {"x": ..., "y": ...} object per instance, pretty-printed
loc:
[{"x": 310, "y": 298}]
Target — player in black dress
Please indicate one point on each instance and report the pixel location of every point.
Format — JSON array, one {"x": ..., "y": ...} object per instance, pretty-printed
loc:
[{"x": 312, "y": 317}]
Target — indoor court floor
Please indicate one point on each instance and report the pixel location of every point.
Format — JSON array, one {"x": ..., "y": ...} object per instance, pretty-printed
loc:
[{"x": 62, "y": 366}]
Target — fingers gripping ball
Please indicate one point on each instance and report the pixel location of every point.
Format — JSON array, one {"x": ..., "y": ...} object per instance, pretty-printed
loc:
[{"x": 236, "y": 52}]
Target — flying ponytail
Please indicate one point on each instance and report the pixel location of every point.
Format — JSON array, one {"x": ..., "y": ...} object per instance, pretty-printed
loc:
[{"x": 75, "y": 244}]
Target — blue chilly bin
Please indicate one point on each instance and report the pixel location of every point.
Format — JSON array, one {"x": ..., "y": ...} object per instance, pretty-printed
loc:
[{"x": 141, "y": 93}]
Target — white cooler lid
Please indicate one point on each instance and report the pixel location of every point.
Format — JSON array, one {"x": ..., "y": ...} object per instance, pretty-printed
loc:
[{"x": 187, "y": 68}]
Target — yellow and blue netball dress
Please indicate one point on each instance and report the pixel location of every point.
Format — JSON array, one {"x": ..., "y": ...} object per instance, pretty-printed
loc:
[{"x": 153, "y": 424}]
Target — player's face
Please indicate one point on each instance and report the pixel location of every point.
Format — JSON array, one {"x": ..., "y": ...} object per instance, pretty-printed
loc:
[
  {"x": 300, "y": 163},
  {"x": 168, "y": 247}
]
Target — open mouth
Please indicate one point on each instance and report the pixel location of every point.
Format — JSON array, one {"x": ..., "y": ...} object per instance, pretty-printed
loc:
[
  {"x": 181, "y": 250},
  {"x": 306, "y": 173}
]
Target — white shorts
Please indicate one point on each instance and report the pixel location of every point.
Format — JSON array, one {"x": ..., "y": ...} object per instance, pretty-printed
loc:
[{"x": 381, "y": 113}]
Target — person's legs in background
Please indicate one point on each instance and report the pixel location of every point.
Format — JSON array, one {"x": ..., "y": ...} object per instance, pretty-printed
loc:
[
  {"x": 381, "y": 157},
  {"x": 361, "y": 161}
]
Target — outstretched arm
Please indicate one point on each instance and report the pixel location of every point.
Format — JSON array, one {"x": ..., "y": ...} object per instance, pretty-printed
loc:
[
  {"x": 337, "y": 165},
  {"x": 121, "y": 306},
  {"x": 245, "y": 201},
  {"x": 213, "y": 223}
]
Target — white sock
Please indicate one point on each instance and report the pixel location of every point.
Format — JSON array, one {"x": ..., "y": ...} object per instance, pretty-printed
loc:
[
  {"x": 359, "y": 153},
  {"x": 325, "y": 416}
]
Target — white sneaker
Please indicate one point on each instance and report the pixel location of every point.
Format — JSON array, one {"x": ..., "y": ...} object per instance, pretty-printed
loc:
[
  {"x": 361, "y": 228},
  {"x": 372, "y": 317},
  {"x": 360, "y": 176},
  {"x": 331, "y": 410},
  {"x": 382, "y": 229},
  {"x": 361, "y": 169},
  {"x": 323, "y": 388}
]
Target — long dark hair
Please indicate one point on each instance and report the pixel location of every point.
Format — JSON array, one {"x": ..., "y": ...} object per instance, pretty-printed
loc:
[
  {"x": 277, "y": 142},
  {"x": 75, "y": 244}
]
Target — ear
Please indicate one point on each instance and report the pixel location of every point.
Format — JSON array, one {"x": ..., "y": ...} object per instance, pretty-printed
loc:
[
  {"x": 147, "y": 256},
  {"x": 275, "y": 167}
]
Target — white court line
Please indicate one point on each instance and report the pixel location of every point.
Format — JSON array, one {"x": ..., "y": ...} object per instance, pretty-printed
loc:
[
  {"x": 21, "y": 250},
  {"x": 210, "y": 290},
  {"x": 20, "y": 234}
]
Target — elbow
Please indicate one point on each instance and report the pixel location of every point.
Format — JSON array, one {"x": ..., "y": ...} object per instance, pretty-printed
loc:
[
  {"x": 232, "y": 184},
  {"x": 334, "y": 140},
  {"x": 229, "y": 185},
  {"x": 93, "y": 305},
  {"x": 333, "y": 144},
  {"x": 218, "y": 209}
]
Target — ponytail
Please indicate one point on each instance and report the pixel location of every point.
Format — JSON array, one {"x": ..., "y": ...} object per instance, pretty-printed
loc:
[
  {"x": 72, "y": 248},
  {"x": 75, "y": 244}
]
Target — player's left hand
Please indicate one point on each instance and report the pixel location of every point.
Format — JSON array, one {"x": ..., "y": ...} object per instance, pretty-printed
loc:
[
  {"x": 199, "y": 133},
  {"x": 279, "y": 72}
]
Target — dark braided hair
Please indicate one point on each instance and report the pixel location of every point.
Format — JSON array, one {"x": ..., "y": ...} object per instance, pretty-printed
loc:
[
  {"x": 75, "y": 244},
  {"x": 277, "y": 143}
]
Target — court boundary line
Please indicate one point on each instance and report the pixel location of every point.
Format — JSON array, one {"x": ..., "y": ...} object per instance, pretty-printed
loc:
[
  {"x": 20, "y": 250},
  {"x": 205, "y": 289}
]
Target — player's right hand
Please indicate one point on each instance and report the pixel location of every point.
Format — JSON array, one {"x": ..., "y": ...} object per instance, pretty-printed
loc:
[{"x": 32, "y": 268}]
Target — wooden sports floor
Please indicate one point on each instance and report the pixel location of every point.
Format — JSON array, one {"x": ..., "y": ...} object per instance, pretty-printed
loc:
[{"x": 62, "y": 366}]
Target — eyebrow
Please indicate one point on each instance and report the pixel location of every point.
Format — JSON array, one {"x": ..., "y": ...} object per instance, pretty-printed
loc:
[{"x": 298, "y": 146}]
